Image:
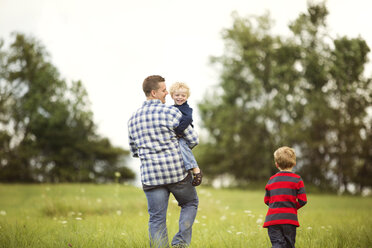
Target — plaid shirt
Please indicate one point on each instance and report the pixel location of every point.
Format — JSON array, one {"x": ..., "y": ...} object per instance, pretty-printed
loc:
[{"x": 152, "y": 138}]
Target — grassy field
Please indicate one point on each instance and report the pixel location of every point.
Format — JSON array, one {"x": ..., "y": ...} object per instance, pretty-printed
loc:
[{"x": 86, "y": 215}]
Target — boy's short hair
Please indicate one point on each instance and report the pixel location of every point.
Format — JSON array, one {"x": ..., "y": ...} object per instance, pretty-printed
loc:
[
  {"x": 285, "y": 157},
  {"x": 151, "y": 83},
  {"x": 177, "y": 86}
]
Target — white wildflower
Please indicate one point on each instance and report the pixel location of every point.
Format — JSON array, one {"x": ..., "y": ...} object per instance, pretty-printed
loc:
[
  {"x": 2, "y": 212},
  {"x": 238, "y": 233},
  {"x": 63, "y": 222},
  {"x": 196, "y": 221},
  {"x": 309, "y": 228},
  {"x": 99, "y": 200},
  {"x": 118, "y": 212},
  {"x": 223, "y": 217},
  {"x": 78, "y": 218},
  {"x": 259, "y": 220},
  {"x": 229, "y": 231},
  {"x": 204, "y": 217},
  {"x": 247, "y": 211}
]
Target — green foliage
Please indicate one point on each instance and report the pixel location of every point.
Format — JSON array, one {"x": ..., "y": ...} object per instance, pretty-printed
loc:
[
  {"x": 114, "y": 215},
  {"x": 47, "y": 131},
  {"x": 299, "y": 91}
]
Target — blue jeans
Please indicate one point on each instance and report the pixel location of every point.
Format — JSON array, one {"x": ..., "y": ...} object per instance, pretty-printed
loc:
[
  {"x": 187, "y": 156},
  {"x": 282, "y": 236},
  {"x": 157, "y": 201}
]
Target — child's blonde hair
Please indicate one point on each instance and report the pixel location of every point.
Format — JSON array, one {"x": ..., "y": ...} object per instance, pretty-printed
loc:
[
  {"x": 177, "y": 86},
  {"x": 285, "y": 157}
]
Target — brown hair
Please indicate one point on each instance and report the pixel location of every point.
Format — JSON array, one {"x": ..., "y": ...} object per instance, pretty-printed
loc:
[
  {"x": 151, "y": 83},
  {"x": 285, "y": 157}
]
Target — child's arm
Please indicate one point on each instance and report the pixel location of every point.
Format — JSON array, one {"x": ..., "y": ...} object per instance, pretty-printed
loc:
[
  {"x": 185, "y": 121},
  {"x": 267, "y": 197},
  {"x": 301, "y": 195}
]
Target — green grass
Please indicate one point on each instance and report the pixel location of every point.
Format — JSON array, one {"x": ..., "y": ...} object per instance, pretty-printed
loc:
[{"x": 86, "y": 215}]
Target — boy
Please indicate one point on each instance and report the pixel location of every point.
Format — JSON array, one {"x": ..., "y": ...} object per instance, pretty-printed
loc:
[
  {"x": 180, "y": 92},
  {"x": 285, "y": 193}
]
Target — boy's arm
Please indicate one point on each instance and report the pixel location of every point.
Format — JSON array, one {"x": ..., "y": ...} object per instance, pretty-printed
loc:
[
  {"x": 267, "y": 197},
  {"x": 185, "y": 121},
  {"x": 301, "y": 195}
]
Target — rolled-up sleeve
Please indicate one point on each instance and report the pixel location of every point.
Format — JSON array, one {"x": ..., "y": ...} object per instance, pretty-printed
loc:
[
  {"x": 191, "y": 137},
  {"x": 133, "y": 148}
]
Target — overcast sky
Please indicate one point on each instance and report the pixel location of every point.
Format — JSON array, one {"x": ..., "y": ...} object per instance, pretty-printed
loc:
[{"x": 112, "y": 45}]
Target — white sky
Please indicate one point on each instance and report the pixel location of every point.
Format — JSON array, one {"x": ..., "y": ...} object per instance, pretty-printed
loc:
[{"x": 112, "y": 45}]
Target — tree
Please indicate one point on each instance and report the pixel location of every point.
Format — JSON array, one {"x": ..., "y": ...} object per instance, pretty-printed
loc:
[
  {"x": 47, "y": 130},
  {"x": 303, "y": 91}
]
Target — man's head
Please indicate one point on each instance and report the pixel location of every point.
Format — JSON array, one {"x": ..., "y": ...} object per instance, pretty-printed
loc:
[
  {"x": 285, "y": 158},
  {"x": 180, "y": 92},
  {"x": 154, "y": 88}
]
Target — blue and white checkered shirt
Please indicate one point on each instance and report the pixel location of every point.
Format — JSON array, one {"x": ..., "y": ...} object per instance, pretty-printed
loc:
[{"x": 152, "y": 138}]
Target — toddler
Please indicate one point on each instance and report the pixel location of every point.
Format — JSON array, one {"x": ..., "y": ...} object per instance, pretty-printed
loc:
[{"x": 180, "y": 92}]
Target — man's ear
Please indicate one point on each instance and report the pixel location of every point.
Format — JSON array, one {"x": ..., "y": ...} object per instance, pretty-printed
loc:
[{"x": 153, "y": 93}]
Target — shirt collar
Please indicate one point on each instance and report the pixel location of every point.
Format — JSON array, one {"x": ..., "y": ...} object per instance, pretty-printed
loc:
[
  {"x": 183, "y": 104},
  {"x": 152, "y": 102},
  {"x": 285, "y": 172}
]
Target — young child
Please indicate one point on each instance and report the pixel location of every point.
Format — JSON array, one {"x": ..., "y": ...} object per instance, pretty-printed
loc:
[
  {"x": 285, "y": 193},
  {"x": 180, "y": 92}
]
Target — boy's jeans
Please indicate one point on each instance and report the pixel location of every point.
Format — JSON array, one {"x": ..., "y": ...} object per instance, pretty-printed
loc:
[
  {"x": 282, "y": 236},
  {"x": 157, "y": 200},
  {"x": 187, "y": 156}
]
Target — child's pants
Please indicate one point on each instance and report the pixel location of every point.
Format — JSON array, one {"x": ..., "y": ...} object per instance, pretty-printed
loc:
[
  {"x": 187, "y": 156},
  {"x": 282, "y": 236}
]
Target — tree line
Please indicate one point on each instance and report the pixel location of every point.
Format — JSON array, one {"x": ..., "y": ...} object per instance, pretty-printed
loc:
[
  {"x": 47, "y": 133},
  {"x": 307, "y": 90}
]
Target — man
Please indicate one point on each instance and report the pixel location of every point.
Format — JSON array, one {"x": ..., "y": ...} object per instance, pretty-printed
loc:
[{"x": 152, "y": 138}]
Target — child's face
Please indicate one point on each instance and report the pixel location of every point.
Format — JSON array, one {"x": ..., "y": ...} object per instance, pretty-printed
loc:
[{"x": 180, "y": 96}]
